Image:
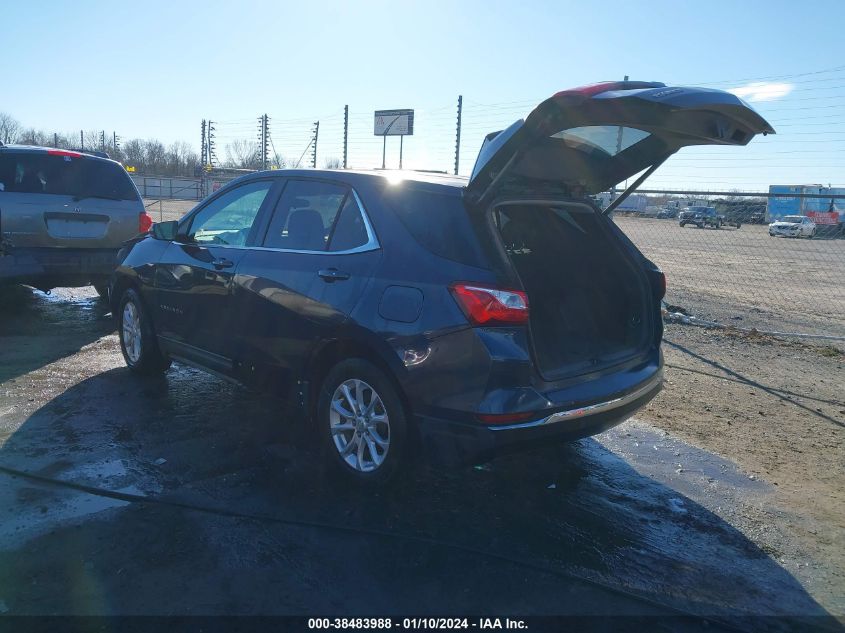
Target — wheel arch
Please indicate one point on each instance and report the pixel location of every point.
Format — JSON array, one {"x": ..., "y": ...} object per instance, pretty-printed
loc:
[{"x": 332, "y": 352}]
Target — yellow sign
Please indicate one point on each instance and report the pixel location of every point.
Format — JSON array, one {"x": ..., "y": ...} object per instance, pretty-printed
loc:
[{"x": 130, "y": 168}]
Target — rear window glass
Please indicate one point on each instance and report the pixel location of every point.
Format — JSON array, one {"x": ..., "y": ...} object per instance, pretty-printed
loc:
[
  {"x": 38, "y": 172},
  {"x": 610, "y": 139},
  {"x": 439, "y": 222}
]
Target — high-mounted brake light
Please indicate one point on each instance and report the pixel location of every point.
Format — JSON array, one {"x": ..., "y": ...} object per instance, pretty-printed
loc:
[
  {"x": 63, "y": 152},
  {"x": 487, "y": 305},
  {"x": 145, "y": 222},
  {"x": 592, "y": 90}
]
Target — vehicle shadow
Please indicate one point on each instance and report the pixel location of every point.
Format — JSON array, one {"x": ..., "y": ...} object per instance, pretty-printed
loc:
[
  {"x": 37, "y": 329},
  {"x": 206, "y": 448}
]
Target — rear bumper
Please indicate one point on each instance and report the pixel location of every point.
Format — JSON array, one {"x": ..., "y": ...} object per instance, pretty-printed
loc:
[
  {"x": 446, "y": 441},
  {"x": 56, "y": 266}
]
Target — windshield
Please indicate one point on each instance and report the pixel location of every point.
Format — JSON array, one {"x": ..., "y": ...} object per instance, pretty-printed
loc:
[
  {"x": 796, "y": 219},
  {"x": 80, "y": 177}
]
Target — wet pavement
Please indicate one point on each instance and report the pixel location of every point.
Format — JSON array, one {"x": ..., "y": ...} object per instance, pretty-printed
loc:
[{"x": 225, "y": 508}]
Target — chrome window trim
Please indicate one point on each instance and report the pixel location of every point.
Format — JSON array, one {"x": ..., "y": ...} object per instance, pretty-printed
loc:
[{"x": 372, "y": 243}]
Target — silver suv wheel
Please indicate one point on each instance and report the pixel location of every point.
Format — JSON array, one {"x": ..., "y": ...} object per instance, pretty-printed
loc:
[
  {"x": 131, "y": 331},
  {"x": 359, "y": 425}
]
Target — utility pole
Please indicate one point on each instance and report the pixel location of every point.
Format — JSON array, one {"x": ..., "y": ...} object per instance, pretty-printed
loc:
[
  {"x": 458, "y": 134},
  {"x": 102, "y": 140},
  {"x": 203, "y": 146},
  {"x": 314, "y": 149},
  {"x": 267, "y": 141},
  {"x": 115, "y": 142},
  {"x": 55, "y": 140},
  {"x": 264, "y": 139},
  {"x": 81, "y": 141},
  {"x": 345, "y": 132},
  {"x": 212, "y": 157}
]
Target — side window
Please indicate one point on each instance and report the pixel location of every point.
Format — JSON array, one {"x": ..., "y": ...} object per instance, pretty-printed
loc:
[
  {"x": 349, "y": 231},
  {"x": 228, "y": 219},
  {"x": 304, "y": 215}
]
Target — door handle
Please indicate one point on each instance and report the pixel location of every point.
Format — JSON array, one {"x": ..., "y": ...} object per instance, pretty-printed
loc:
[
  {"x": 222, "y": 262},
  {"x": 332, "y": 274}
]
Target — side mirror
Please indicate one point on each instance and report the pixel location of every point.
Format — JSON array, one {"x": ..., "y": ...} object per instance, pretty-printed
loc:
[{"x": 165, "y": 230}]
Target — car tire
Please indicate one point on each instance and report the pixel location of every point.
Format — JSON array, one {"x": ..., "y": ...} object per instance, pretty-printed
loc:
[
  {"x": 718, "y": 224},
  {"x": 369, "y": 444},
  {"x": 137, "y": 337},
  {"x": 683, "y": 224},
  {"x": 812, "y": 233}
]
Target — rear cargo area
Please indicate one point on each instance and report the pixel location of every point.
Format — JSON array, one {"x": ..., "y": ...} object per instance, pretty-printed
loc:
[{"x": 589, "y": 306}]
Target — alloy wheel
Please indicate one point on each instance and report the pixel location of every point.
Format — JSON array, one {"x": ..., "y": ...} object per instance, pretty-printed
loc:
[
  {"x": 131, "y": 331},
  {"x": 359, "y": 425}
]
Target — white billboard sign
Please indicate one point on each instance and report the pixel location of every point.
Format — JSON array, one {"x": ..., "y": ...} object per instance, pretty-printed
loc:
[{"x": 394, "y": 123}]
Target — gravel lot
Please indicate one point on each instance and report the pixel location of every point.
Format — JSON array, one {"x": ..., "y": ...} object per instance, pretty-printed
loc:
[
  {"x": 724, "y": 497},
  {"x": 746, "y": 278}
]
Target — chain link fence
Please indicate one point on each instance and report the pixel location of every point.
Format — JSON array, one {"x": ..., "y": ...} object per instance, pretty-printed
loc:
[
  {"x": 732, "y": 271},
  {"x": 728, "y": 261}
]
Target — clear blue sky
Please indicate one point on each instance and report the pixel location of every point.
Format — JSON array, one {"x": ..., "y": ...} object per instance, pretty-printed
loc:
[{"x": 155, "y": 69}]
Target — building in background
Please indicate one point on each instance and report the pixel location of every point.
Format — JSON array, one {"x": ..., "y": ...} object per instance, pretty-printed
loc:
[{"x": 827, "y": 213}]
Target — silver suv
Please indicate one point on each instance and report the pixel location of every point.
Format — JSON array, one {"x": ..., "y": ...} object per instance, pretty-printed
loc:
[{"x": 63, "y": 217}]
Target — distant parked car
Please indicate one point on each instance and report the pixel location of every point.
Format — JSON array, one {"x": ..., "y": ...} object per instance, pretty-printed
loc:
[
  {"x": 700, "y": 217},
  {"x": 667, "y": 214},
  {"x": 63, "y": 217},
  {"x": 793, "y": 226}
]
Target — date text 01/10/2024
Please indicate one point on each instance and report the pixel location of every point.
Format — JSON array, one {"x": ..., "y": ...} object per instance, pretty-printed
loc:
[{"x": 416, "y": 623}]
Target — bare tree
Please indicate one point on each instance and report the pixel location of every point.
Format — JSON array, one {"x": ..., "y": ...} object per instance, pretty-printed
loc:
[
  {"x": 150, "y": 156},
  {"x": 333, "y": 163},
  {"x": 133, "y": 150},
  {"x": 154, "y": 153},
  {"x": 31, "y": 136},
  {"x": 9, "y": 128},
  {"x": 242, "y": 154}
]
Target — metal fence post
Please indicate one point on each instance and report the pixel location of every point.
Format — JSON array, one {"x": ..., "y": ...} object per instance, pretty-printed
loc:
[
  {"x": 345, "y": 132},
  {"x": 458, "y": 134}
]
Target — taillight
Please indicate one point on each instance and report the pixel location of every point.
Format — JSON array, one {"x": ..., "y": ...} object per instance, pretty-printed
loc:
[
  {"x": 485, "y": 305},
  {"x": 658, "y": 283},
  {"x": 145, "y": 222}
]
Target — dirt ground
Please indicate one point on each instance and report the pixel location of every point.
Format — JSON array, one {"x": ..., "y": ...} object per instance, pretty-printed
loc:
[{"x": 776, "y": 407}]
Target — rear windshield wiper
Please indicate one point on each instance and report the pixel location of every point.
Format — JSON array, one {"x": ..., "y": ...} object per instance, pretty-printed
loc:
[{"x": 94, "y": 195}]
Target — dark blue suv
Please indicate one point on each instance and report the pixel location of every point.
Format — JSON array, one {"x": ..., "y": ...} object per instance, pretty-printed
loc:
[{"x": 404, "y": 313}]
